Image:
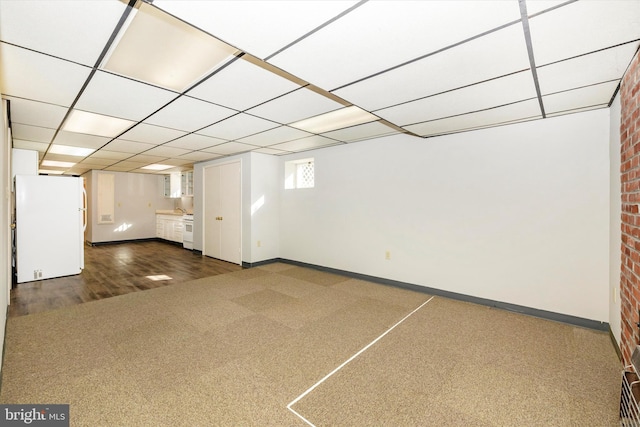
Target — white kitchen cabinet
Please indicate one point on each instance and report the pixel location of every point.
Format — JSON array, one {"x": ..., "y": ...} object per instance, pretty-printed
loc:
[
  {"x": 178, "y": 229},
  {"x": 186, "y": 181},
  {"x": 159, "y": 227},
  {"x": 178, "y": 184},
  {"x": 172, "y": 185},
  {"x": 169, "y": 227}
]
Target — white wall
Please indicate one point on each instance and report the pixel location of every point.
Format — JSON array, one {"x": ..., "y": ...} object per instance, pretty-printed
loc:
[
  {"x": 615, "y": 211},
  {"x": 137, "y": 197},
  {"x": 265, "y": 207},
  {"x": 5, "y": 220},
  {"x": 517, "y": 214}
]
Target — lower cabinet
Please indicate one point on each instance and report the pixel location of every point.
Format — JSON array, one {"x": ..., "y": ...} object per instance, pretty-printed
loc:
[{"x": 169, "y": 227}]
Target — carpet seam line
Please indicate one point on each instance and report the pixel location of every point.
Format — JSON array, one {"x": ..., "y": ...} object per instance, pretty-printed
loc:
[{"x": 362, "y": 350}]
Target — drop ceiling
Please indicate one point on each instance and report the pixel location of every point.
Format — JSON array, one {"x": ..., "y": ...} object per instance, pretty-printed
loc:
[{"x": 424, "y": 68}]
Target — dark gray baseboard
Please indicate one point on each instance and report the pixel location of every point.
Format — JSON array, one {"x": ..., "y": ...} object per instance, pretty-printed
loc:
[
  {"x": 543, "y": 314},
  {"x": 117, "y": 242},
  {"x": 615, "y": 344}
]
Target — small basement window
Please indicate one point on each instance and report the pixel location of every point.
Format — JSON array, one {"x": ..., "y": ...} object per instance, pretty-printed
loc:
[{"x": 299, "y": 174}]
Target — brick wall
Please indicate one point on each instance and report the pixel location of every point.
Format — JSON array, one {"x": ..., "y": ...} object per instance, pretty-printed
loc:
[{"x": 630, "y": 181}]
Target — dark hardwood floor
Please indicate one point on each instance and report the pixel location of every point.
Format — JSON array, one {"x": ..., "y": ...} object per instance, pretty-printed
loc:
[{"x": 116, "y": 269}]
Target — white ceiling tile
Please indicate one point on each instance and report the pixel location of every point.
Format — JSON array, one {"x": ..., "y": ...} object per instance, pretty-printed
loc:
[
  {"x": 114, "y": 155},
  {"x": 577, "y": 98},
  {"x": 275, "y": 136},
  {"x": 229, "y": 148},
  {"x": 30, "y": 75},
  {"x": 496, "y": 54},
  {"x": 179, "y": 161},
  {"x": 117, "y": 96},
  {"x": 128, "y": 165},
  {"x": 436, "y": 93},
  {"x": 242, "y": 85},
  {"x": 152, "y": 134},
  {"x": 578, "y": 110},
  {"x": 271, "y": 151},
  {"x": 165, "y": 151},
  {"x": 30, "y": 145},
  {"x": 586, "y": 70},
  {"x": 61, "y": 157},
  {"x": 199, "y": 156},
  {"x": 513, "y": 88},
  {"x": 32, "y": 133},
  {"x": 311, "y": 142},
  {"x": 91, "y": 160},
  {"x": 35, "y": 113},
  {"x": 70, "y": 29},
  {"x": 383, "y": 34},
  {"x": 360, "y": 132},
  {"x": 537, "y": 6},
  {"x": 295, "y": 106},
  {"x": 509, "y": 113},
  {"x": 146, "y": 158},
  {"x": 189, "y": 114},
  {"x": 125, "y": 146},
  {"x": 77, "y": 170},
  {"x": 582, "y": 27},
  {"x": 194, "y": 141},
  {"x": 238, "y": 126},
  {"x": 86, "y": 165},
  {"x": 119, "y": 168},
  {"x": 257, "y": 27},
  {"x": 80, "y": 140}
]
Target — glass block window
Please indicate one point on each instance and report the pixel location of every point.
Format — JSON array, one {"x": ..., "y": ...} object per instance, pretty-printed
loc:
[
  {"x": 304, "y": 175},
  {"x": 299, "y": 174}
]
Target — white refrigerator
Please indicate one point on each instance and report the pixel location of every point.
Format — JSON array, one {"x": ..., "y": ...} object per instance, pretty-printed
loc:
[{"x": 50, "y": 223}]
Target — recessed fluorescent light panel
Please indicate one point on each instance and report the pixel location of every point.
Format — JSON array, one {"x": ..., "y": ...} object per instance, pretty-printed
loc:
[
  {"x": 95, "y": 124},
  {"x": 162, "y": 50},
  {"x": 71, "y": 151},
  {"x": 337, "y": 119},
  {"x": 57, "y": 164},
  {"x": 157, "y": 167}
]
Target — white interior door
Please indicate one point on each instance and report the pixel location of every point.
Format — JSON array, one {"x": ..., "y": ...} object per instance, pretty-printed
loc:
[
  {"x": 230, "y": 213},
  {"x": 211, "y": 222},
  {"x": 222, "y": 212}
]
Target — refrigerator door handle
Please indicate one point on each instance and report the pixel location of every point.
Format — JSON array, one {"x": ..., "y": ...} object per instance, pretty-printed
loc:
[{"x": 84, "y": 209}]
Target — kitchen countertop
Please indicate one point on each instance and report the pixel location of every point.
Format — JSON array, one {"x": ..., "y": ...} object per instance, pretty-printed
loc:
[{"x": 172, "y": 212}]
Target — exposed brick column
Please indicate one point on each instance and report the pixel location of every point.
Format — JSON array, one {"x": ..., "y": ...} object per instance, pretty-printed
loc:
[{"x": 630, "y": 182}]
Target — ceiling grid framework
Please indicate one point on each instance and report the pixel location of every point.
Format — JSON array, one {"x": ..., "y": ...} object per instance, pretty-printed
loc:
[{"x": 425, "y": 68}]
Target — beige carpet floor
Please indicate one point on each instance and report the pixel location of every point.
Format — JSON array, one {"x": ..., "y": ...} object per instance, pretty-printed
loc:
[{"x": 237, "y": 349}]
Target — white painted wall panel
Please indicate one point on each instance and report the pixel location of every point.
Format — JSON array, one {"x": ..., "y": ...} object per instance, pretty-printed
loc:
[
  {"x": 265, "y": 207},
  {"x": 615, "y": 212},
  {"x": 137, "y": 197},
  {"x": 517, "y": 214},
  {"x": 5, "y": 219}
]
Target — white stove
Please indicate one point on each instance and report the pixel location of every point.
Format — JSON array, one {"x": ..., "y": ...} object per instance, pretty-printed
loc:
[{"x": 187, "y": 233}]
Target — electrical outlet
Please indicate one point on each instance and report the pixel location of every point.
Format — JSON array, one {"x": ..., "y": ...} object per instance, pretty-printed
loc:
[
  {"x": 387, "y": 255},
  {"x": 259, "y": 243}
]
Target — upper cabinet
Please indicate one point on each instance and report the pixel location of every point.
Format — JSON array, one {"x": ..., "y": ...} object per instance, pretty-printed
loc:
[
  {"x": 186, "y": 183},
  {"x": 178, "y": 184},
  {"x": 172, "y": 185}
]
